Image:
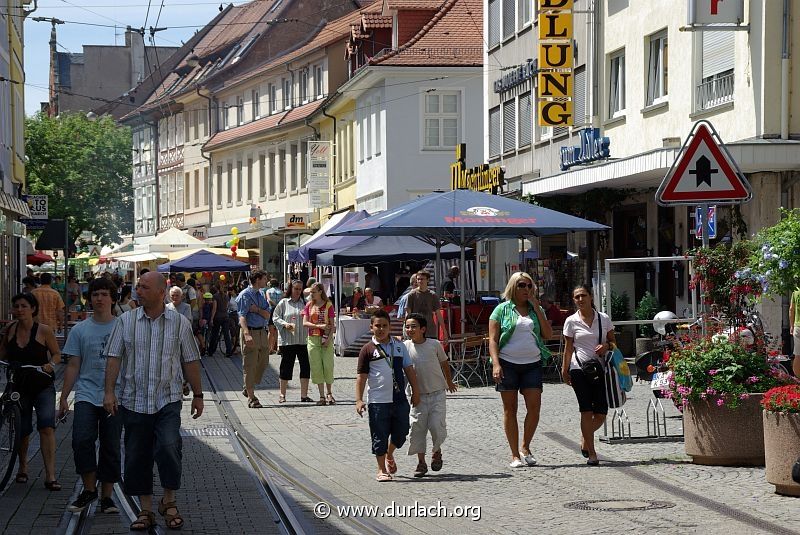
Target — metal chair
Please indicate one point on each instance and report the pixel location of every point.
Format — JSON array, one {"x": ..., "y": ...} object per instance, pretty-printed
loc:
[
  {"x": 556, "y": 347},
  {"x": 466, "y": 358}
]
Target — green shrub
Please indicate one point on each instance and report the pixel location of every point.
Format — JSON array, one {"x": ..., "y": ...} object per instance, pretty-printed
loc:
[
  {"x": 647, "y": 308},
  {"x": 620, "y": 304}
]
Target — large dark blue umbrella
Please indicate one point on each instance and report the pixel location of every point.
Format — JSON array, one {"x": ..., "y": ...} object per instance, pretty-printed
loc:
[
  {"x": 461, "y": 217},
  {"x": 326, "y": 242},
  {"x": 203, "y": 260},
  {"x": 377, "y": 249}
]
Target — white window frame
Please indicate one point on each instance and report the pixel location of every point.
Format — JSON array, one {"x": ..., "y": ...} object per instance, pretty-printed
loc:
[
  {"x": 319, "y": 85},
  {"x": 441, "y": 116},
  {"x": 304, "y": 96},
  {"x": 616, "y": 80},
  {"x": 522, "y": 22},
  {"x": 657, "y": 81},
  {"x": 287, "y": 93},
  {"x": 272, "y": 95},
  {"x": 255, "y": 103}
]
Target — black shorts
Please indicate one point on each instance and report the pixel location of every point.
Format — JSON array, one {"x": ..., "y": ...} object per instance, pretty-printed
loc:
[{"x": 591, "y": 395}]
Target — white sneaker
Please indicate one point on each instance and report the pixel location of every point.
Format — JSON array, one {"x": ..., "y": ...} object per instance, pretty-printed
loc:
[
  {"x": 529, "y": 459},
  {"x": 516, "y": 463}
]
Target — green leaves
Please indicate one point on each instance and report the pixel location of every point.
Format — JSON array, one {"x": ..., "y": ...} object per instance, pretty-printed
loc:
[
  {"x": 84, "y": 168},
  {"x": 777, "y": 254}
]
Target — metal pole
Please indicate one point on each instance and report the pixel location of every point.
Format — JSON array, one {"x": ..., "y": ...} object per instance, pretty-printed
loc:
[
  {"x": 704, "y": 231},
  {"x": 462, "y": 277}
]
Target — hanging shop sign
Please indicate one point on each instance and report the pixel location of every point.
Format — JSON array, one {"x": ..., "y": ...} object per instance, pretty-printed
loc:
[
  {"x": 479, "y": 178},
  {"x": 593, "y": 147},
  {"x": 319, "y": 173},
  {"x": 555, "y": 76},
  {"x": 516, "y": 76},
  {"x": 296, "y": 221},
  {"x": 715, "y": 11}
]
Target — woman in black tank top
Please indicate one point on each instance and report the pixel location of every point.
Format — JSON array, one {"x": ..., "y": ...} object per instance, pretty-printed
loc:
[{"x": 29, "y": 342}]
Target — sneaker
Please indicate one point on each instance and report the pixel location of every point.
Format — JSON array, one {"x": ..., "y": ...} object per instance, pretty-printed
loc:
[
  {"x": 84, "y": 499},
  {"x": 107, "y": 506},
  {"x": 421, "y": 470},
  {"x": 516, "y": 463},
  {"x": 528, "y": 459},
  {"x": 436, "y": 462}
]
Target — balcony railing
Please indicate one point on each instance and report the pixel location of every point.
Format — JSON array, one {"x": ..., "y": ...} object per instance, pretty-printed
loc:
[{"x": 715, "y": 91}]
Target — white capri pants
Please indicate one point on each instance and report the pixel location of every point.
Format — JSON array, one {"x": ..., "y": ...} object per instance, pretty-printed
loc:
[
  {"x": 429, "y": 415},
  {"x": 796, "y": 336}
]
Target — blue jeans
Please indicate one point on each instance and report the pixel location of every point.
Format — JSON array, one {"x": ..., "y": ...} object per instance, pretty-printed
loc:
[
  {"x": 388, "y": 420},
  {"x": 45, "y": 405},
  {"x": 148, "y": 438},
  {"x": 89, "y": 419}
]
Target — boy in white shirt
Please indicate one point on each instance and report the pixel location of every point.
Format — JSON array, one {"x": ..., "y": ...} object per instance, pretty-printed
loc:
[{"x": 433, "y": 379}]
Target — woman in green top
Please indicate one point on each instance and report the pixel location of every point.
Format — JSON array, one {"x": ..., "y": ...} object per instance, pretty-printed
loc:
[
  {"x": 517, "y": 331},
  {"x": 794, "y": 321}
]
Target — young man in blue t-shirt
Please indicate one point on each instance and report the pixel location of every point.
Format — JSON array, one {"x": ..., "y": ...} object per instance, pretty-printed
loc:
[
  {"x": 384, "y": 364},
  {"x": 86, "y": 373}
]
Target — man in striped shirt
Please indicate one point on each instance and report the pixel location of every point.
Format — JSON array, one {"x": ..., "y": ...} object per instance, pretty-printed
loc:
[{"x": 154, "y": 349}]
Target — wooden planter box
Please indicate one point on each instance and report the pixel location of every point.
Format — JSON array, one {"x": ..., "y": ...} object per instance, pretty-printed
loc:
[
  {"x": 782, "y": 449},
  {"x": 725, "y": 437}
]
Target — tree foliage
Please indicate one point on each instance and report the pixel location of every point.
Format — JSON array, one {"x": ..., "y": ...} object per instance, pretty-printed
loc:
[{"x": 84, "y": 168}]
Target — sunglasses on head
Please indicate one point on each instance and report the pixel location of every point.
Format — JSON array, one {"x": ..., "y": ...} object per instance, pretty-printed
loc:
[{"x": 527, "y": 285}]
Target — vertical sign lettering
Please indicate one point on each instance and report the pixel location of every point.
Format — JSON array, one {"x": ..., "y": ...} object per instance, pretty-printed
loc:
[
  {"x": 319, "y": 174},
  {"x": 556, "y": 76}
]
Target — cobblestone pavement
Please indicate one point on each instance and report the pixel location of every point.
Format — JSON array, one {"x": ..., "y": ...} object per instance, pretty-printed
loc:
[{"x": 326, "y": 451}]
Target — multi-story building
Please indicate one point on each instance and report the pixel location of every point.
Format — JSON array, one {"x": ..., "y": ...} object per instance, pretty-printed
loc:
[
  {"x": 12, "y": 151},
  {"x": 650, "y": 76},
  {"x": 83, "y": 81}
]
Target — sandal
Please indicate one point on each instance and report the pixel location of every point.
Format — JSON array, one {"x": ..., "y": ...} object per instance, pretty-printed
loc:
[
  {"x": 306, "y": 400},
  {"x": 331, "y": 400},
  {"x": 282, "y": 398},
  {"x": 173, "y": 521},
  {"x": 144, "y": 521},
  {"x": 255, "y": 403},
  {"x": 321, "y": 402},
  {"x": 52, "y": 485},
  {"x": 22, "y": 477},
  {"x": 383, "y": 477},
  {"x": 391, "y": 465}
]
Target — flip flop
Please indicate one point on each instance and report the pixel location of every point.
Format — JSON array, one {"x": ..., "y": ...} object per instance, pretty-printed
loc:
[
  {"x": 381, "y": 478},
  {"x": 281, "y": 398},
  {"x": 21, "y": 478},
  {"x": 52, "y": 486},
  {"x": 391, "y": 465}
]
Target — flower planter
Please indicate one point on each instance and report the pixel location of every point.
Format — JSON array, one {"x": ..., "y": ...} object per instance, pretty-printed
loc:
[
  {"x": 782, "y": 449},
  {"x": 722, "y": 436}
]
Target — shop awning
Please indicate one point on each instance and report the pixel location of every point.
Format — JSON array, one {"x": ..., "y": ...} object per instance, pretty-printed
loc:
[{"x": 139, "y": 257}]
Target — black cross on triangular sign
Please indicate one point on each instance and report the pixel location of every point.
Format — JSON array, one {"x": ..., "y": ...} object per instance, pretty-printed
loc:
[{"x": 703, "y": 172}]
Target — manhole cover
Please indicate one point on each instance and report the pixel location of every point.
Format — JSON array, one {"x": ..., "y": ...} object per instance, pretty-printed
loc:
[{"x": 618, "y": 505}]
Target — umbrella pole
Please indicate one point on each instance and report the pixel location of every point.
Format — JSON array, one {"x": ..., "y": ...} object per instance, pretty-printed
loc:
[
  {"x": 438, "y": 266},
  {"x": 462, "y": 282}
]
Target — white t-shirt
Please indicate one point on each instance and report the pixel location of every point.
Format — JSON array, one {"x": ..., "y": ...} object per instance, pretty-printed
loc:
[
  {"x": 427, "y": 357},
  {"x": 522, "y": 347},
  {"x": 585, "y": 337}
]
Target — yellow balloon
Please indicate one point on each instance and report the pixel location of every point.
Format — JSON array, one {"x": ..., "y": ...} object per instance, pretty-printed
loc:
[
  {"x": 235, "y": 240},
  {"x": 222, "y": 277},
  {"x": 235, "y": 231}
]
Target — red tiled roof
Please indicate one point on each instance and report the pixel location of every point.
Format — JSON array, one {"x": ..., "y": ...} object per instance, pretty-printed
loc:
[
  {"x": 453, "y": 37},
  {"x": 415, "y": 4},
  {"x": 262, "y": 125},
  {"x": 376, "y": 20}
]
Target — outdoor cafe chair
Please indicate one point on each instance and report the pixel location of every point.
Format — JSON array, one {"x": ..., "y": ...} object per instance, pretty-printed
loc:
[{"x": 467, "y": 359}]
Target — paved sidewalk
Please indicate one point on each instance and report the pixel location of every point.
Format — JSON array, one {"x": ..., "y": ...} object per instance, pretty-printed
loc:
[{"x": 326, "y": 450}]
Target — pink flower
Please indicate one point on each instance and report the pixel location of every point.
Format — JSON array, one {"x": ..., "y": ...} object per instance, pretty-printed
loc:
[
  {"x": 713, "y": 372},
  {"x": 752, "y": 380},
  {"x": 720, "y": 402},
  {"x": 744, "y": 396}
]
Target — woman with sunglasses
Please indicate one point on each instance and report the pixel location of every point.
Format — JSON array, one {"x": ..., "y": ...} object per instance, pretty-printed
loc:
[
  {"x": 293, "y": 339},
  {"x": 518, "y": 329},
  {"x": 588, "y": 334}
]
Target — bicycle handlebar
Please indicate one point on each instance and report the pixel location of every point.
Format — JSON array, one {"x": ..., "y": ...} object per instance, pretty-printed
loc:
[{"x": 37, "y": 368}]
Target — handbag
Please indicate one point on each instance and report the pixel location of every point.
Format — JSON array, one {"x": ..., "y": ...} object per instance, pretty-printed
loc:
[
  {"x": 615, "y": 394},
  {"x": 623, "y": 371},
  {"x": 592, "y": 369}
]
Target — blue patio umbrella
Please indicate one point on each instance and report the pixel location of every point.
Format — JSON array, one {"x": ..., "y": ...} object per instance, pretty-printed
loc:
[
  {"x": 378, "y": 249},
  {"x": 203, "y": 260},
  {"x": 461, "y": 217},
  {"x": 325, "y": 242}
]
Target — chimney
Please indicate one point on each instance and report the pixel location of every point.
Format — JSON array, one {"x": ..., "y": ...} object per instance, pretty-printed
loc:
[{"x": 135, "y": 43}]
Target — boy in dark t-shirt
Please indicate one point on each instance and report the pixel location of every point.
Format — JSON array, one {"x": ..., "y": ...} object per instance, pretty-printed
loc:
[{"x": 384, "y": 364}]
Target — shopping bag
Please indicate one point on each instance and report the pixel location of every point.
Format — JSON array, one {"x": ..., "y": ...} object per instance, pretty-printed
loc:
[
  {"x": 623, "y": 371},
  {"x": 615, "y": 395}
]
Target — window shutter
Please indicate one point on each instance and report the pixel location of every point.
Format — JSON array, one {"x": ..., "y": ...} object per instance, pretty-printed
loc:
[
  {"x": 494, "y": 132},
  {"x": 718, "y": 52},
  {"x": 509, "y": 125},
  {"x": 509, "y": 20},
  {"x": 525, "y": 120},
  {"x": 494, "y": 22},
  {"x": 579, "y": 98}
]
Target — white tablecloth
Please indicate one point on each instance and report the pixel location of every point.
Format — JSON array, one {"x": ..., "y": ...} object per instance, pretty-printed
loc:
[{"x": 348, "y": 330}]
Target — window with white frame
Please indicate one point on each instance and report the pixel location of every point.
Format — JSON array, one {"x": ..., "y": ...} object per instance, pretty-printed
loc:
[
  {"x": 378, "y": 140},
  {"x": 304, "y": 85},
  {"x": 225, "y": 115},
  {"x": 262, "y": 175},
  {"x": 219, "y": 185},
  {"x": 206, "y": 186},
  {"x": 239, "y": 111},
  {"x": 657, "y": 68},
  {"x": 282, "y": 170},
  {"x": 187, "y": 200},
  {"x": 273, "y": 98},
  {"x": 272, "y": 187},
  {"x": 494, "y": 22},
  {"x": 230, "y": 183},
  {"x": 196, "y": 188},
  {"x": 509, "y": 19},
  {"x": 318, "y": 86},
  {"x": 179, "y": 129},
  {"x": 495, "y": 132},
  {"x": 239, "y": 188},
  {"x": 287, "y": 93},
  {"x": 509, "y": 125},
  {"x": 304, "y": 164},
  {"x": 524, "y": 13},
  {"x": 525, "y": 119},
  {"x": 295, "y": 169},
  {"x": 250, "y": 180},
  {"x": 442, "y": 119},
  {"x": 717, "y": 58},
  {"x": 256, "y": 104},
  {"x": 179, "y": 182},
  {"x": 616, "y": 81}
]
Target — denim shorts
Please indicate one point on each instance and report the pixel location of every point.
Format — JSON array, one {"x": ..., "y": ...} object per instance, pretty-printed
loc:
[
  {"x": 152, "y": 438},
  {"x": 90, "y": 423},
  {"x": 519, "y": 377},
  {"x": 388, "y": 420},
  {"x": 45, "y": 405}
]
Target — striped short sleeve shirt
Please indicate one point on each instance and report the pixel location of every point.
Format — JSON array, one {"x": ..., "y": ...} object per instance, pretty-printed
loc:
[{"x": 152, "y": 351}]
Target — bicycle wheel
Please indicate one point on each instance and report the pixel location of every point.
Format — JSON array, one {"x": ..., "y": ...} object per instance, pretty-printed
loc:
[{"x": 10, "y": 423}]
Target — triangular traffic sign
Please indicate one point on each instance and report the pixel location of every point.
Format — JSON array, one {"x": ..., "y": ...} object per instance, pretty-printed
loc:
[{"x": 703, "y": 172}]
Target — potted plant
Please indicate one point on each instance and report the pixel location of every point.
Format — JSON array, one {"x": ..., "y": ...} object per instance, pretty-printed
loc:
[
  {"x": 620, "y": 311},
  {"x": 717, "y": 381},
  {"x": 782, "y": 436},
  {"x": 647, "y": 308}
]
